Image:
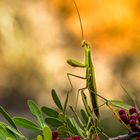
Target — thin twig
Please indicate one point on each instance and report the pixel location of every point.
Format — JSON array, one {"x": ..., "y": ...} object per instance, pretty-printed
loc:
[{"x": 126, "y": 136}]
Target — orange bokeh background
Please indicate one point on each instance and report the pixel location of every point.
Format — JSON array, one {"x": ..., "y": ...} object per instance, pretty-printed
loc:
[{"x": 38, "y": 36}]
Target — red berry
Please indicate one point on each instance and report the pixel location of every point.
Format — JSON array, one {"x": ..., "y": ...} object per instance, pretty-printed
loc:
[
  {"x": 132, "y": 122},
  {"x": 123, "y": 117},
  {"x": 135, "y": 128},
  {"x": 132, "y": 110},
  {"x": 139, "y": 113},
  {"x": 133, "y": 117},
  {"x": 54, "y": 134},
  {"x": 139, "y": 117},
  {"x": 76, "y": 138},
  {"x": 138, "y": 138},
  {"x": 122, "y": 111},
  {"x": 58, "y": 138},
  {"x": 126, "y": 122}
]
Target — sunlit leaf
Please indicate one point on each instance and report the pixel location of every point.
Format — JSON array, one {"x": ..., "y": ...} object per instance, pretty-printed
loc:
[
  {"x": 56, "y": 100},
  {"x": 35, "y": 110},
  {"x": 9, "y": 138},
  {"x": 39, "y": 137},
  {"x": 47, "y": 133}
]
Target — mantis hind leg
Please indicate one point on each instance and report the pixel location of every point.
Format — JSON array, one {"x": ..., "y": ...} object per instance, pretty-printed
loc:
[{"x": 81, "y": 89}]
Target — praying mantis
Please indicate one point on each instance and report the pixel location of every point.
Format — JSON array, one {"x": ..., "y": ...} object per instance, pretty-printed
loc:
[
  {"x": 90, "y": 74},
  {"x": 91, "y": 81}
]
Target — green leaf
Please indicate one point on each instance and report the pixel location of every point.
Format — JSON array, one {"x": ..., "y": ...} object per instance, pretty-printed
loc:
[
  {"x": 79, "y": 130},
  {"x": 35, "y": 110},
  {"x": 4, "y": 132},
  {"x": 62, "y": 117},
  {"x": 64, "y": 132},
  {"x": 47, "y": 133},
  {"x": 77, "y": 117},
  {"x": 84, "y": 115},
  {"x": 119, "y": 104},
  {"x": 39, "y": 137},
  {"x": 56, "y": 100},
  {"x": 71, "y": 126},
  {"x": 53, "y": 122},
  {"x": 23, "y": 122},
  {"x": 66, "y": 102},
  {"x": 49, "y": 112},
  {"x": 15, "y": 132},
  {"x": 7, "y": 117},
  {"x": 9, "y": 138}
]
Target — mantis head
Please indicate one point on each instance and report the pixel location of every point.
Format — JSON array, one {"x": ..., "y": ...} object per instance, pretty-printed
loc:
[{"x": 85, "y": 44}]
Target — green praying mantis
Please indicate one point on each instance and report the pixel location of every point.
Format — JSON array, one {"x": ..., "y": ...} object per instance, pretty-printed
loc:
[
  {"x": 90, "y": 74},
  {"x": 91, "y": 82}
]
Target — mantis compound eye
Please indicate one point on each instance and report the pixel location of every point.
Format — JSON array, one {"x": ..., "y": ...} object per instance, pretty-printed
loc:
[{"x": 85, "y": 43}]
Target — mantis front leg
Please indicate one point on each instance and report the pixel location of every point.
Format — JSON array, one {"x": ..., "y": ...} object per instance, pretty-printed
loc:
[{"x": 75, "y": 63}]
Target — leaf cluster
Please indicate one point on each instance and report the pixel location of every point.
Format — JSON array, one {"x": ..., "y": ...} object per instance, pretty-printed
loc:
[{"x": 84, "y": 124}]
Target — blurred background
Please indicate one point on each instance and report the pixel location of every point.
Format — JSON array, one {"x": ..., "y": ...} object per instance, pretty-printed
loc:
[{"x": 38, "y": 36}]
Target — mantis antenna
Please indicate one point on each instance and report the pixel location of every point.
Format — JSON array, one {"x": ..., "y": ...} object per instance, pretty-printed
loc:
[{"x": 81, "y": 26}]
